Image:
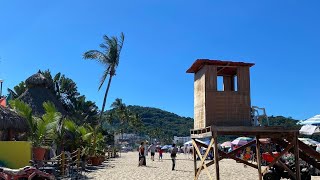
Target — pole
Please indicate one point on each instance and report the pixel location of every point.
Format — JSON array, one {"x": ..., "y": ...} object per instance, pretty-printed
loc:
[{"x": 1, "y": 88}]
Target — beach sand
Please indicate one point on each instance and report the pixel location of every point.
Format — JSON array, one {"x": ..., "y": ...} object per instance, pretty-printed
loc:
[{"x": 126, "y": 167}]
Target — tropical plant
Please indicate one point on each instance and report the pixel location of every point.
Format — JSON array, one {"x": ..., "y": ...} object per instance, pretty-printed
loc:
[
  {"x": 40, "y": 127},
  {"x": 94, "y": 142},
  {"x": 18, "y": 90},
  {"x": 75, "y": 133},
  {"x": 108, "y": 57}
]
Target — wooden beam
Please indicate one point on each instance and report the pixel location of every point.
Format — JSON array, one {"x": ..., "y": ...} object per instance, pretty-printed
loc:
[
  {"x": 238, "y": 159},
  {"x": 194, "y": 160},
  {"x": 277, "y": 158},
  {"x": 296, "y": 156},
  {"x": 283, "y": 165},
  {"x": 202, "y": 160},
  {"x": 258, "y": 157},
  {"x": 216, "y": 154}
]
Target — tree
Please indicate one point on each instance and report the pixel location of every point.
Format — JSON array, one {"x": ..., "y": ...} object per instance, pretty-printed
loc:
[
  {"x": 122, "y": 114},
  {"x": 109, "y": 58}
]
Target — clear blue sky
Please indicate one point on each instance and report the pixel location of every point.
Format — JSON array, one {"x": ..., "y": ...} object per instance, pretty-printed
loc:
[{"x": 163, "y": 38}]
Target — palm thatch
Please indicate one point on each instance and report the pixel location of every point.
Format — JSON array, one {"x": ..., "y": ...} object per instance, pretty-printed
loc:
[
  {"x": 11, "y": 120},
  {"x": 37, "y": 80},
  {"x": 37, "y": 93}
]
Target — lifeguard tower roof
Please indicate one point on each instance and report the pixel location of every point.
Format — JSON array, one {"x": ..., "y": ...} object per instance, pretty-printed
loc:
[{"x": 199, "y": 63}]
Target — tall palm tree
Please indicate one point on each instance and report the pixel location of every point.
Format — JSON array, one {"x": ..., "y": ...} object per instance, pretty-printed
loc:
[{"x": 108, "y": 57}]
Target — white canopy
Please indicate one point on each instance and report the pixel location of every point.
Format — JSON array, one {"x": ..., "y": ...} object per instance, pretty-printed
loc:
[
  {"x": 314, "y": 120},
  {"x": 309, "y": 129}
]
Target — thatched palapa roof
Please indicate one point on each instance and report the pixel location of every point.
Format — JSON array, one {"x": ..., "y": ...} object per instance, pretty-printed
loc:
[
  {"x": 37, "y": 93},
  {"x": 11, "y": 120},
  {"x": 37, "y": 80}
]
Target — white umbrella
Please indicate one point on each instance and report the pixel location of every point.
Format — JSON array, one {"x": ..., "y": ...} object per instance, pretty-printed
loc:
[
  {"x": 309, "y": 141},
  {"x": 188, "y": 143},
  {"x": 314, "y": 120},
  {"x": 309, "y": 129}
]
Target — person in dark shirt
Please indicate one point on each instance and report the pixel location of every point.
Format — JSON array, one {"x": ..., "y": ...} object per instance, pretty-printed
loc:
[{"x": 174, "y": 155}]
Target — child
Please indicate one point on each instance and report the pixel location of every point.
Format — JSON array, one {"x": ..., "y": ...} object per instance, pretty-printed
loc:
[{"x": 160, "y": 154}]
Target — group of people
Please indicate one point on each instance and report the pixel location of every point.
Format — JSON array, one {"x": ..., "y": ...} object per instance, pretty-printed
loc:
[{"x": 144, "y": 149}]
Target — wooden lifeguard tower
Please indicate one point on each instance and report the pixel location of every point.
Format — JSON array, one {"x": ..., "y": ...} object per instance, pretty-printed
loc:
[{"x": 222, "y": 106}]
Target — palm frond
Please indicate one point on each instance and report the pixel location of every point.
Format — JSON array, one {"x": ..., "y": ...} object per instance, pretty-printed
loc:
[{"x": 97, "y": 55}]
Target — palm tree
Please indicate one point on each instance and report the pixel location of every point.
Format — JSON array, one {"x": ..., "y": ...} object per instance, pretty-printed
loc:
[
  {"x": 122, "y": 113},
  {"x": 109, "y": 58}
]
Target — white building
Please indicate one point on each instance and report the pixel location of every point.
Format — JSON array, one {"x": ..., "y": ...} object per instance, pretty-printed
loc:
[
  {"x": 182, "y": 140},
  {"x": 126, "y": 137}
]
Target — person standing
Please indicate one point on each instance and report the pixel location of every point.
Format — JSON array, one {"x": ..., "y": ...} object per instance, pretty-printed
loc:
[
  {"x": 174, "y": 155},
  {"x": 145, "y": 153},
  {"x": 160, "y": 153},
  {"x": 152, "y": 149},
  {"x": 141, "y": 154}
]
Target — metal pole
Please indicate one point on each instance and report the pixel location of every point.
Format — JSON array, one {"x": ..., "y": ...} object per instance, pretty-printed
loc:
[{"x": 1, "y": 88}]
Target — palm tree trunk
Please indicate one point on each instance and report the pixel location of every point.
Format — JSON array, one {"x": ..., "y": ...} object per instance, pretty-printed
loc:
[{"x": 105, "y": 99}]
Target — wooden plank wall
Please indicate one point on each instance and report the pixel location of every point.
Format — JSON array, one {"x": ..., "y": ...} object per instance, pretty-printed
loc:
[
  {"x": 199, "y": 98},
  {"x": 221, "y": 108}
]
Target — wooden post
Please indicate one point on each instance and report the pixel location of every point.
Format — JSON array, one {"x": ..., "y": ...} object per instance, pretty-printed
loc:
[
  {"x": 296, "y": 156},
  {"x": 62, "y": 163},
  {"x": 258, "y": 156},
  {"x": 78, "y": 157},
  {"x": 194, "y": 160},
  {"x": 216, "y": 154}
]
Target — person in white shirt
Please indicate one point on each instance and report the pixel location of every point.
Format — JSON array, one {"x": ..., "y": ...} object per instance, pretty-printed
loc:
[
  {"x": 152, "y": 149},
  {"x": 145, "y": 152}
]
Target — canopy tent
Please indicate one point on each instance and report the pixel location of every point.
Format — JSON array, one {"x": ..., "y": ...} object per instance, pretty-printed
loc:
[
  {"x": 309, "y": 129},
  {"x": 312, "y": 121},
  {"x": 309, "y": 141}
]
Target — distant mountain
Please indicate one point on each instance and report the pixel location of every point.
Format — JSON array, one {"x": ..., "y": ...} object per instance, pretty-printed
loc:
[
  {"x": 156, "y": 123},
  {"x": 168, "y": 122},
  {"x": 171, "y": 124}
]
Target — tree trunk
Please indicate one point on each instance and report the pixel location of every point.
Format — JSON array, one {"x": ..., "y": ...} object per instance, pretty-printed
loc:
[{"x": 105, "y": 99}]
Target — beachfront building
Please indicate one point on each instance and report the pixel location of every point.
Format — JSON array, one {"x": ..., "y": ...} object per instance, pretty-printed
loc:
[
  {"x": 126, "y": 137},
  {"x": 182, "y": 140}
]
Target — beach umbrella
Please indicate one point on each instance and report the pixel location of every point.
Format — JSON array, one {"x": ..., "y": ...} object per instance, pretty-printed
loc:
[
  {"x": 313, "y": 120},
  {"x": 226, "y": 144},
  {"x": 265, "y": 140},
  {"x": 166, "y": 147},
  {"x": 240, "y": 141},
  {"x": 188, "y": 143},
  {"x": 309, "y": 129},
  {"x": 309, "y": 141}
]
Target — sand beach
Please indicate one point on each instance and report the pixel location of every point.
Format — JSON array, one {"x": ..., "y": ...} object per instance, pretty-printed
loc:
[{"x": 126, "y": 167}]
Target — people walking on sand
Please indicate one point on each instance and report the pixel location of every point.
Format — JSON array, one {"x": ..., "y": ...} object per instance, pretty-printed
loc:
[
  {"x": 141, "y": 154},
  {"x": 160, "y": 153},
  {"x": 152, "y": 149},
  {"x": 174, "y": 155}
]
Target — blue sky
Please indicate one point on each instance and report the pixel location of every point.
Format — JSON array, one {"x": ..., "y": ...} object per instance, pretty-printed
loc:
[{"x": 163, "y": 39}]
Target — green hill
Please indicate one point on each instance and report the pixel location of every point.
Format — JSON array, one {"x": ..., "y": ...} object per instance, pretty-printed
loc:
[
  {"x": 169, "y": 123},
  {"x": 163, "y": 124},
  {"x": 157, "y": 123}
]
